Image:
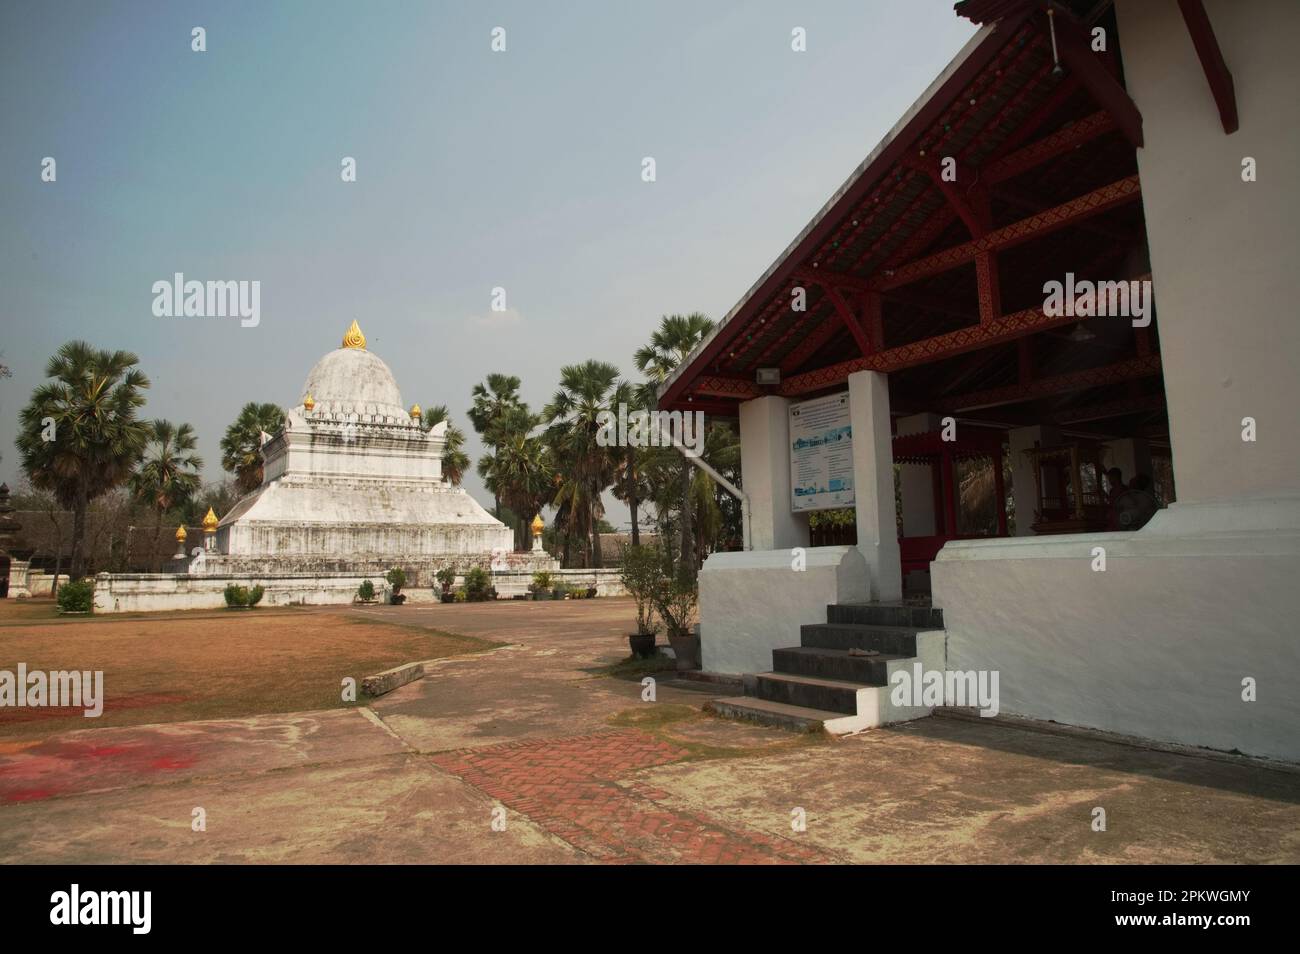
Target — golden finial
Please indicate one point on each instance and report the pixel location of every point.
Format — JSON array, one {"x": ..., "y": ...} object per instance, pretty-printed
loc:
[
  {"x": 538, "y": 525},
  {"x": 210, "y": 522},
  {"x": 415, "y": 412},
  {"x": 354, "y": 338},
  {"x": 308, "y": 403},
  {"x": 181, "y": 534}
]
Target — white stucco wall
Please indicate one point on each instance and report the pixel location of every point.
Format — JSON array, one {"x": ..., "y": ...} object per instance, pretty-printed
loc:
[
  {"x": 754, "y": 602},
  {"x": 1223, "y": 251},
  {"x": 1155, "y": 646}
]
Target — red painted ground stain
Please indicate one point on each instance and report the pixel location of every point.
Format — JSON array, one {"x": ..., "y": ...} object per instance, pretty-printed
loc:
[
  {"x": 30, "y": 794},
  {"x": 167, "y": 763}
]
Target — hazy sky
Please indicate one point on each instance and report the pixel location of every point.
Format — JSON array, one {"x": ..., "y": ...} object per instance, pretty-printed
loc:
[{"x": 475, "y": 169}]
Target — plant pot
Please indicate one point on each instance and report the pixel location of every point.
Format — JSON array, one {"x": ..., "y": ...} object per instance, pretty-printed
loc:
[
  {"x": 687, "y": 650},
  {"x": 449, "y": 597},
  {"x": 398, "y": 599},
  {"x": 591, "y": 592},
  {"x": 643, "y": 644}
]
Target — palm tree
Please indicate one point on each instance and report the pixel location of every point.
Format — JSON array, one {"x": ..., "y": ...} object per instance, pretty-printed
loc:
[
  {"x": 524, "y": 473},
  {"x": 629, "y": 480},
  {"x": 79, "y": 437},
  {"x": 168, "y": 475},
  {"x": 573, "y": 413},
  {"x": 493, "y": 400},
  {"x": 454, "y": 459},
  {"x": 670, "y": 344},
  {"x": 241, "y": 448}
]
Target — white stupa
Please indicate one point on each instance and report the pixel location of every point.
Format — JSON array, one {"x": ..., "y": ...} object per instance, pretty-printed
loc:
[{"x": 354, "y": 484}]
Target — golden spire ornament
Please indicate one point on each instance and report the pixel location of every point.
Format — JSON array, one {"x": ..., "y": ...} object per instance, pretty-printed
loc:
[
  {"x": 210, "y": 522},
  {"x": 416, "y": 412},
  {"x": 181, "y": 534},
  {"x": 308, "y": 403},
  {"x": 354, "y": 338}
]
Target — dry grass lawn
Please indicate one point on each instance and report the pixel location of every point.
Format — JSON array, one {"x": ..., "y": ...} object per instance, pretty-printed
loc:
[{"x": 207, "y": 664}]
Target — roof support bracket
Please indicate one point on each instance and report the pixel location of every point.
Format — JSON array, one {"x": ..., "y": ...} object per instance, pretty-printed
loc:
[{"x": 1211, "y": 57}]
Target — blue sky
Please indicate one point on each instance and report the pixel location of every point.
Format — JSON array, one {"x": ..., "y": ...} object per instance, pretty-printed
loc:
[{"x": 475, "y": 169}]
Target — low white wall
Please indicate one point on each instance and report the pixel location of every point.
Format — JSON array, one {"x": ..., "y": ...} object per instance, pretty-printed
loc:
[
  {"x": 1156, "y": 646},
  {"x": 148, "y": 592},
  {"x": 753, "y": 602}
]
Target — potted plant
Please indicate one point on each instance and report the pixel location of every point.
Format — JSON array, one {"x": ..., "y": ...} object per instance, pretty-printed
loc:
[
  {"x": 560, "y": 590},
  {"x": 541, "y": 585},
  {"x": 640, "y": 575},
  {"x": 397, "y": 579},
  {"x": 447, "y": 578},
  {"x": 676, "y": 598},
  {"x": 366, "y": 592}
]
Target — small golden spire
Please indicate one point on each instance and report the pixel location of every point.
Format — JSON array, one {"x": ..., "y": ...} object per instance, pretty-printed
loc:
[
  {"x": 308, "y": 403},
  {"x": 181, "y": 534},
  {"x": 354, "y": 338},
  {"x": 210, "y": 522},
  {"x": 538, "y": 525},
  {"x": 415, "y": 412}
]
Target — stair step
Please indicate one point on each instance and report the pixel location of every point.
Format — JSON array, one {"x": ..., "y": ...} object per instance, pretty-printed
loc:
[
  {"x": 837, "y": 664},
  {"x": 767, "y": 712},
  {"x": 886, "y": 614},
  {"x": 812, "y": 692},
  {"x": 897, "y": 640}
]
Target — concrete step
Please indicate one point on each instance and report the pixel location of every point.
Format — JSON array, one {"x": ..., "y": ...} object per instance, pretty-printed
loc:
[
  {"x": 766, "y": 712},
  {"x": 896, "y": 640},
  {"x": 834, "y": 664},
  {"x": 812, "y": 692},
  {"x": 886, "y": 614}
]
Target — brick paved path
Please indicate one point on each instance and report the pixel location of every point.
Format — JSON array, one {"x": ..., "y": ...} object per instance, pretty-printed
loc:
[{"x": 578, "y": 789}]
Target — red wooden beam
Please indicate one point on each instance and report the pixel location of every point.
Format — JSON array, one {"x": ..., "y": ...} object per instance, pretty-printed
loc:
[
  {"x": 1076, "y": 53},
  {"x": 850, "y": 320},
  {"x": 1107, "y": 409},
  {"x": 1049, "y": 147},
  {"x": 1130, "y": 369},
  {"x": 811, "y": 344},
  {"x": 1049, "y": 220},
  {"x": 714, "y": 385},
  {"x": 971, "y": 338},
  {"x": 1211, "y": 57}
]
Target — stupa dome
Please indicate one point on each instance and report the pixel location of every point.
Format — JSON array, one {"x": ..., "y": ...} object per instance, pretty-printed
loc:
[{"x": 350, "y": 380}]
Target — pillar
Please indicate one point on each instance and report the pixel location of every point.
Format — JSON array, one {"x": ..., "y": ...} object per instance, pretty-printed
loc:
[
  {"x": 916, "y": 481},
  {"x": 873, "y": 482},
  {"x": 765, "y": 474},
  {"x": 1021, "y": 439}
]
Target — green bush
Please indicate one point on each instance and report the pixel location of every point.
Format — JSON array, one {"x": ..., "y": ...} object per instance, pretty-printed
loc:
[
  {"x": 78, "y": 597},
  {"x": 478, "y": 585},
  {"x": 541, "y": 583},
  {"x": 675, "y": 598},
  {"x": 396, "y": 578},
  {"x": 236, "y": 595},
  {"x": 447, "y": 577},
  {"x": 640, "y": 574},
  {"x": 366, "y": 590},
  {"x": 559, "y": 590},
  {"x": 460, "y": 596},
  {"x": 255, "y": 594}
]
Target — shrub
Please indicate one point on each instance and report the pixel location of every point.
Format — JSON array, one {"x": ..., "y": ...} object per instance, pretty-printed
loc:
[
  {"x": 255, "y": 594},
  {"x": 640, "y": 573},
  {"x": 478, "y": 585},
  {"x": 541, "y": 582},
  {"x": 460, "y": 595},
  {"x": 675, "y": 599},
  {"x": 366, "y": 590},
  {"x": 559, "y": 590},
  {"x": 236, "y": 595},
  {"x": 77, "y": 597},
  {"x": 396, "y": 578},
  {"x": 447, "y": 577}
]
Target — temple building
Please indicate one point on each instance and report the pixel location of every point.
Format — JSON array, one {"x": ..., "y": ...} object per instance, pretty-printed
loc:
[
  {"x": 1072, "y": 262},
  {"x": 353, "y": 484}
]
